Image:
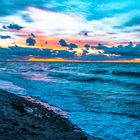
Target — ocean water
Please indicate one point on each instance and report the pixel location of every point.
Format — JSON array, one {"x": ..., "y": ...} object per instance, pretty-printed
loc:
[{"x": 101, "y": 98}]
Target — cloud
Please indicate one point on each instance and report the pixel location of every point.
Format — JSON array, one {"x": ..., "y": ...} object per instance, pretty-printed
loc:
[
  {"x": 99, "y": 47},
  {"x": 5, "y": 36},
  {"x": 13, "y": 26},
  {"x": 85, "y": 33},
  {"x": 92, "y": 20},
  {"x": 128, "y": 51},
  {"x": 120, "y": 52},
  {"x": 98, "y": 57},
  {"x": 27, "y": 18},
  {"x": 33, "y": 35},
  {"x": 20, "y": 53},
  {"x": 30, "y": 41},
  {"x": 90, "y": 10},
  {"x": 63, "y": 43},
  {"x": 70, "y": 46},
  {"x": 66, "y": 54},
  {"x": 133, "y": 22},
  {"x": 25, "y": 52},
  {"x": 75, "y": 18},
  {"x": 87, "y": 46},
  {"x": 10, "y": 7}
]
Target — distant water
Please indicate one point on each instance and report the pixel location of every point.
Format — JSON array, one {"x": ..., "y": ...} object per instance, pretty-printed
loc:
[{"x": 101, "y": 98}]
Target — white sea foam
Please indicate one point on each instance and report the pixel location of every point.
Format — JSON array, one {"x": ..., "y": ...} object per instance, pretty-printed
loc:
[{"x": 9, "y": 86}]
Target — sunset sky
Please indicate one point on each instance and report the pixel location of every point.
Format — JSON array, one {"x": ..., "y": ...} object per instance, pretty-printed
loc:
[{"x": 70, "y": 30}]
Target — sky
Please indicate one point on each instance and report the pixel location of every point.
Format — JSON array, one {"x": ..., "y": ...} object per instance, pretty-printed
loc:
[{"x": 70, "y": 30}]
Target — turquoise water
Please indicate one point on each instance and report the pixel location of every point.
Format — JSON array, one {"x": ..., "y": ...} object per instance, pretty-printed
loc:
[{"x": 101, "y": 98}]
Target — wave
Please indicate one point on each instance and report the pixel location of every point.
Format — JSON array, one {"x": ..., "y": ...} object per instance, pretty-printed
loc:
[
  {"x": 59, "y": 74},
  {"x": 126, "y": 84},
  {"x": 77, "y": 77},
  {"x": 36, "y": 70},
  {"x": 9, "y": 86},
  {"x": 88, "y": 78},
  {"x": 132, "y": 114},
  {"x": 98, "y": 71},
  {"x": 126, "y": 73}
]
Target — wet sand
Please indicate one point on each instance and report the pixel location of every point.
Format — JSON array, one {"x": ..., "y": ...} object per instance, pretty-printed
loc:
[{"x": 25, "y": 118}]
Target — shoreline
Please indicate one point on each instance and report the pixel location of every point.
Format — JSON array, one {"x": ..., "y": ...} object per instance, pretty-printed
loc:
[{"x": 26, "y": 118}]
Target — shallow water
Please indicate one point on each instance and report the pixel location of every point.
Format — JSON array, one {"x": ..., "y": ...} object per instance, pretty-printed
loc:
[{"x": 101, "y": 98}]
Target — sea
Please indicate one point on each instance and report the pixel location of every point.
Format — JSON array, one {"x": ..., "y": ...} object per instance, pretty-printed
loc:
[{"x": 103, "y": 99}]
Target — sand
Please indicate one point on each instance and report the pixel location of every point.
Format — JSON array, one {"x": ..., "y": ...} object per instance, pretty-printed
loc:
[{"x": 28, "y": 119}]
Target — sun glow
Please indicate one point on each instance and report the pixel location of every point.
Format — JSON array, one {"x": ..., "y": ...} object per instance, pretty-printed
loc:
[{"x": 51, "y": 60}]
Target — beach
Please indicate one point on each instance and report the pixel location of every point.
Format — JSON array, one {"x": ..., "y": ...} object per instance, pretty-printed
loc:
[{"x": 23, "y": 119}]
